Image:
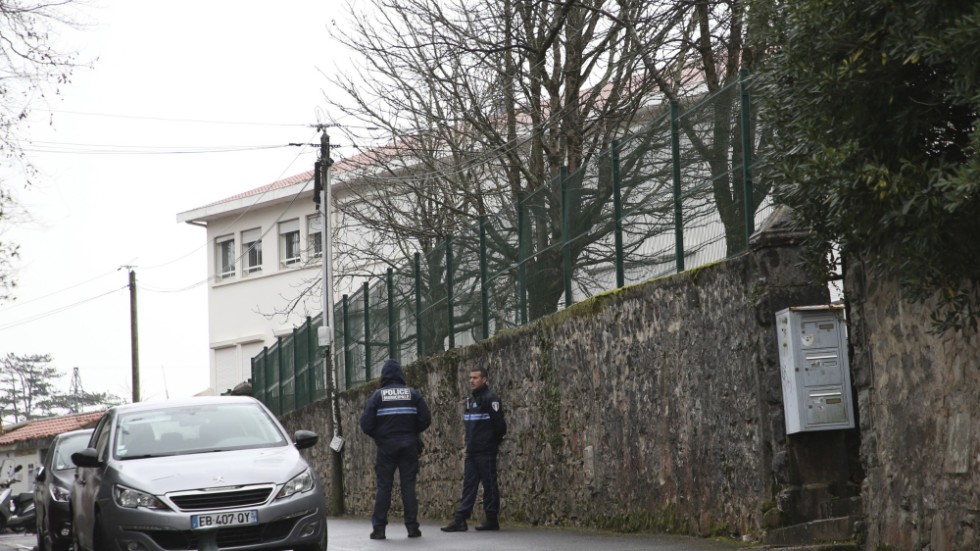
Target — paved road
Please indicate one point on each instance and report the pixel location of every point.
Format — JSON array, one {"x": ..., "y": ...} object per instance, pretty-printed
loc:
[
  {"x": 351, "y": 534},
  {"x": 20, "y": 542}
]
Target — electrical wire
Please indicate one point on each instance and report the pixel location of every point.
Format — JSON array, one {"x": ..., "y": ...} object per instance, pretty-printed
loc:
[
  {"x": 206, "y": 243},
  {"x": 106, "y": 149},
  {"x": 52, "y": 293},
  {"x": 18, "y": 323},
  {"x": 232, "y": 223},
  {"x": 168, "y": 119}
]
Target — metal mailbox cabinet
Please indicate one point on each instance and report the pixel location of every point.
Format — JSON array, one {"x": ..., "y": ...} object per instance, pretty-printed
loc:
[{"x": 814, "y": 369}]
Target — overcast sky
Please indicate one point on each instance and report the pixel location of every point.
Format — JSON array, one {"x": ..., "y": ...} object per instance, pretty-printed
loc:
[{"x": 116, "y": 166}]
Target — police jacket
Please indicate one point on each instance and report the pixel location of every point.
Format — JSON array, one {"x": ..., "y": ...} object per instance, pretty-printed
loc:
[
  {"x": 396, "y": 413},
  {"x": 483, "y": 418}
]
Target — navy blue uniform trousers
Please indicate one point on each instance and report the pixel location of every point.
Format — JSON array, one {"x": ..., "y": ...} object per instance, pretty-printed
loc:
[
  {"x": 479, "y": 469},
  {"x": 405, "y": 458}
]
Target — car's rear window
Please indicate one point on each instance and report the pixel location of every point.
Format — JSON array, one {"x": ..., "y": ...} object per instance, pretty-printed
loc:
[{"x": 197, "y": 429}]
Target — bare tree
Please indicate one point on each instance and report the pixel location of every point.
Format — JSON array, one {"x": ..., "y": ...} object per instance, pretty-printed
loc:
[
  {"x": 473, "y": 107},
  {"x": 483, "y": 103},
  {"x": 30, "y": 69}
]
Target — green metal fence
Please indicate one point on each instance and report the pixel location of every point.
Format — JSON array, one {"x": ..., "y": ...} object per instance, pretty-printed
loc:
[
  {"x": 676, "y": 194},
  {"x": 290, "y": 374}
]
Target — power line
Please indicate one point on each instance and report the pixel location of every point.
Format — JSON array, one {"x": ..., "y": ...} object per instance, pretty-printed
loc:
[
  {"x": 107, "y": 149},
  {"x": 206, "y": 242},
  {"x": 49, "y": 313},
  {"x": 52, "y": 293},
  {"x": 228, "y": 226},
  {"x": 170, "y": 119},
  {"x": 201, "y": 121}
]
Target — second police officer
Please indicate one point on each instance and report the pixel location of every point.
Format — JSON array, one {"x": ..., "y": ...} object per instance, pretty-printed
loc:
[{"x": 483, "y": 417}]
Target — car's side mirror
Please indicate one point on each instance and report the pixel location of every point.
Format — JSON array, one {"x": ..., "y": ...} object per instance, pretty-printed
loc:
[
  {"x": 86, "y": 458},
  {"x": 41, "y": 475},
  {"x": 305, "y": 439}
]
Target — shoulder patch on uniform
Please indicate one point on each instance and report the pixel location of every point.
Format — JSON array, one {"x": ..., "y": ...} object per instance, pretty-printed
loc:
[{"x": 495, "y": 406}]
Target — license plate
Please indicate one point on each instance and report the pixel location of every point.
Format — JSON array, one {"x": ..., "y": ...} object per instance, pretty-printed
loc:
[{"x": 220, "y": 520}]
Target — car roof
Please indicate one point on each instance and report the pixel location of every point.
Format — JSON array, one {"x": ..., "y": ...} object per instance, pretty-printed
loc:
[
  {"x": 183, "y": 402},
  {"x": 64, "y": 435}
]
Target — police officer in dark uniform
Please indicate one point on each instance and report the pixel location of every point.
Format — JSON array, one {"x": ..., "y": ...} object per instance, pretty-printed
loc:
[
  {"x": 483, "y": 417},
  {"x": 395, "y": 416}
]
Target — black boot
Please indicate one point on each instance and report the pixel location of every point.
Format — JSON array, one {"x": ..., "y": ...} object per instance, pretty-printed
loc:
[
  {"x": 489, "y": 524},
  {"x": 455, "y": 526},
  {"x": 378, "y": 533},
  {"x": 414, "y": 532}
]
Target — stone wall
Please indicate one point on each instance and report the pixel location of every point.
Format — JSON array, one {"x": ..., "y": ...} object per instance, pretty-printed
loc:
[
  {"x": 656, "y": 407},
  {"x": 919, "y": 396},
  {"x": 659, "y": 407}
]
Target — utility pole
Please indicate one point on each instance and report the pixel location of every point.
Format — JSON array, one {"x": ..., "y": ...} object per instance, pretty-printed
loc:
[
  {"x": 325, "y": 337},
  {"x": 134, "y": 334}
]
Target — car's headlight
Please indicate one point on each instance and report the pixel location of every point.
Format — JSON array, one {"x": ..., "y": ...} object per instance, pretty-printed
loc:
[
  {"x": 58, "y": 493},
  {"x": 303, "y": 482},
  {"x": 131, "y": 499}
]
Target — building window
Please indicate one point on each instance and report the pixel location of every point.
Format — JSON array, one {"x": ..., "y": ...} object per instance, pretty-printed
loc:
[
  {"x": 252, "y": 251},
  {"x": 289, "y": 242},
  {"x": 225, "y": 256},
  {"x": 314, "y": 235}
]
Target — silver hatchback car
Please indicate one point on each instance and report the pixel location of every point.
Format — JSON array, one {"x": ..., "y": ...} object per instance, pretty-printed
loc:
[{"x": 200, "y": 473}]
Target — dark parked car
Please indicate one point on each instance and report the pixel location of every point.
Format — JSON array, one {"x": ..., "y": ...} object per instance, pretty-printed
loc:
[
  {"x": 51, "y": 489},
  {"x": 199, "y": 473}
]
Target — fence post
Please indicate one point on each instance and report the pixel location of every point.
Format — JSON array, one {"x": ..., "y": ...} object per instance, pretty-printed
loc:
[
  {"x": 675, "y": 153},
  {"x": 418, "y": 305},
  {"x": 282, "y": 392},
  {"x": 749, "y": 202},
  {"x": 348, "y": 373},
  {"x": 269, "y": 374},
  {"x": 484, "y": 292},
  {"x": 449, "y": 291},
  {"x": 294, "y": 354},
  {"x": 618, "y": 213},
  {"x": 522, "y": 229},
  {"x": 566, "y": 229},
  {"x": 392, "y": 330},
  {"x": 265, "y": 376},
  {"x": 311, "y": 359},
  {"x": 367, "y": 332}
]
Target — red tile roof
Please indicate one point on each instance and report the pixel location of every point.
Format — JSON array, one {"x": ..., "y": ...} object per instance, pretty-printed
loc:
[{"x": 44, "y": 428}]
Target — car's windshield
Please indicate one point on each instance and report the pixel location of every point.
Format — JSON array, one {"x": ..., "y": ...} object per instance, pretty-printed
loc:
[
  {"x": 65, "y": 447},
  {"x": 195, "y": 429}
]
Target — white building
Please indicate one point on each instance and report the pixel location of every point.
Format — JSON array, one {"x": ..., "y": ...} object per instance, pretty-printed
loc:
[{"x": 265, "y": 251}]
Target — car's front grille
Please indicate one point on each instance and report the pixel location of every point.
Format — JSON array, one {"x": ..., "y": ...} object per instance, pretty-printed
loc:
[
  {"x": 226, "y": 537},
  {"x": 201, "y": 500}
]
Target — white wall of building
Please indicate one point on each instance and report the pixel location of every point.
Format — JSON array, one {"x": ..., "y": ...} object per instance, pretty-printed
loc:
[{"x": 246, "y": 309}]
